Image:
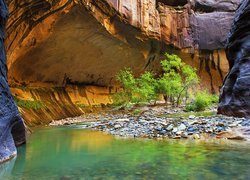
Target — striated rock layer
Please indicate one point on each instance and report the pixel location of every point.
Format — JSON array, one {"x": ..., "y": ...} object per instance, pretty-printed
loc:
[
  {"x": 12, "y": 131},
  {"x": 58, "y": 103},
  {"x": 235, "y": 97}
]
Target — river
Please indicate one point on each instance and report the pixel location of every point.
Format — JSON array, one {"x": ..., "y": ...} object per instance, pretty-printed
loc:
[{"x": 74, "y": 153}]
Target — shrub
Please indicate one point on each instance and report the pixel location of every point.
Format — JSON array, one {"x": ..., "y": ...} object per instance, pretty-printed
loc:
[
  {"x": 137, "y": 112},
  {"x": 135, "y": 90},
  {"x": 202, "y": 101},
  {"x": 128, "y": 82},
  {"x": 145, "y": 88}
]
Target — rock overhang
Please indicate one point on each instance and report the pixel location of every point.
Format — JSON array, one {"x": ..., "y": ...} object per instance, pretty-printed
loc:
[{"x": 130, "y": 33}]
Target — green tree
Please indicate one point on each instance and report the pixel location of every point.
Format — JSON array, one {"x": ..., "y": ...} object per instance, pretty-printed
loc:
[
  {"x": 177, "y": 79},
  {"x": 127, "y": 80},
  {"x": 145, "y": 87},
  {"x": 135, "y": 90},
  {"x": 174, "y": 83},
  {"x": 169, "y": 85}
]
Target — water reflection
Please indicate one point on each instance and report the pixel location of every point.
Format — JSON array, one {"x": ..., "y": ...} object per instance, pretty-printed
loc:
[
  {"x": 72, "y": 153},
  {"x": 7, "y": 168}
]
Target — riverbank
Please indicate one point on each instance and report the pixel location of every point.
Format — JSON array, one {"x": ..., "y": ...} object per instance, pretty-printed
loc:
[{"x": 159, "y": 122}]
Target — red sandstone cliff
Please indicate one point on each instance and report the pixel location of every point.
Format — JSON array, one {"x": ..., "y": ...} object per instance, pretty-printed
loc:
[
  {"x": 54, "y": 43},
  {"x": 87, "y": 41}
]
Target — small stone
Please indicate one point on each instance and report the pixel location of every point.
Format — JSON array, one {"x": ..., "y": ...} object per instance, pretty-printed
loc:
[
  {"x": 193, "y": 122},
  {"x": 184, "y": 135},
  {"x": 170, "y": 127},
  {"x": 163, "y": 132},
  {"x": 179, "y": 133},
  {"x": 191, "y": 117},
  {"x": 221, "y": 124},
  {"x": 191, "y": 129},
  {"x": 177, "y": 137},
  {"x": 210, "y": 131},
  {"x": 122, "y": 120},
  {"x": 233, "y": 125},
  {"x": 236, "y": 138},
  {"x": 220, "y": 129},
  {"x": 182, "y": 127},
  {"x": 196, "y": 136},
  {"x": 175, "y": 130},
  {"x": 117, "y": 126},
  {"x": 245, "y": 123}
]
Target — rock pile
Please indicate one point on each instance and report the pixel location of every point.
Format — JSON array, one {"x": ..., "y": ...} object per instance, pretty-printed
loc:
[{"x": 158, "y": 123}]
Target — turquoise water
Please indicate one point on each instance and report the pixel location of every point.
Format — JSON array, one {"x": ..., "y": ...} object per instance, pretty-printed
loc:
[{"x": 73, "y": 153}]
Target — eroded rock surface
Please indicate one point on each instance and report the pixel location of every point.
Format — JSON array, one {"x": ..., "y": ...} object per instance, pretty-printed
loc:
[
  {"x": 11, "y": 125},
  {"x": 62, "y": 43},
  {"x": 235, "y": 97},
  {"x": 87, "y": 42}
]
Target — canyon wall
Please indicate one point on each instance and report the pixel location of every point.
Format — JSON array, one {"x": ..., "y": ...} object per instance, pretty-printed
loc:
[
  {"x": 12, "y": 131},
  {"x": 55, "y": 44},
  {"x": 88, "y": 42},
  {"x": 235, "y": 97}
]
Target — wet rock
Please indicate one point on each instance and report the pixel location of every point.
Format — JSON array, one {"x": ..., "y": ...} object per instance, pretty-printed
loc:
[
  {"x": 122, "y": 120},
  {"x": 192, "y": 117},
  {"x": 170, "y": 127},
  {"x": 175, "y": 129},
  {"x": 235, "y": 96},
  {"x": 117, "y": 126},
  {"x": 236, "y": 138},
  {"x": 178, "y": 133},
  {"x": 158, "y": 127},
  {"x": 177, "y": 137},
  {"x": 245, "y": 123},
  {"x": 196, "y": 136},
  {"x": 163, "y": 132},
  {"x": 191, "y": 129},
  {"x": 12, "y": 130},
  {"x": 184, "y": 135},
  {"x": 182, "y": 127}
]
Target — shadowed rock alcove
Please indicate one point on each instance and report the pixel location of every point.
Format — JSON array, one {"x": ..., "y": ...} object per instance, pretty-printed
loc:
[{"x": 78, "y": 50}]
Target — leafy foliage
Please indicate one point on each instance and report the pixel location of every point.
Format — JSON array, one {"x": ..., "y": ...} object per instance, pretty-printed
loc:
[
  {"x": 202, "y": 101},
  {"x": 178, "y": 78},
  {"x": 145, "y": 88},
  {"x": 136, "y": 90},
  {"x": 27, "y": 104}
]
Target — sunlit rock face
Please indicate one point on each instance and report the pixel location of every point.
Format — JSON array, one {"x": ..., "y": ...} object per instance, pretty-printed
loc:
[
  {"x": 88, "y": 42},
  {"x": 12, "y": 131},
  {"x": 235, "y": 97}
]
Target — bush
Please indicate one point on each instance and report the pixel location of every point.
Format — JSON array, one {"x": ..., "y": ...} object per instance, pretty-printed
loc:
[
  {"x": 128, "y": 82},
  {"x": 137, "y": 112},
  {"x": 135, "y": 90},
  {"x": 145, "y": 88},
  {"x": 202, "y": 101}
]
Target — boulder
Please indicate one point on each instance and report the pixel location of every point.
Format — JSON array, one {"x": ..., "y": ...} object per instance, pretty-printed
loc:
[
  {"x": 12, "y": 131},
  {"x": 235, "y": 93}
]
